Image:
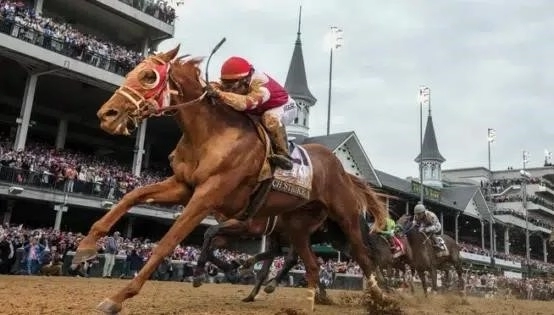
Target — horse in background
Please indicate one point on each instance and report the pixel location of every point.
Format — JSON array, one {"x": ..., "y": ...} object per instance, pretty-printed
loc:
[
  {"x": 424, "y": 254},
  {"x": 220, "y": 163}
]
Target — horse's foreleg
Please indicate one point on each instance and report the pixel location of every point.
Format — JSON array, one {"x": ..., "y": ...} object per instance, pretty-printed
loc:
[
  {"x": 423, "y": 278},
  {"x": 169, "y": 191},
  {"x": 290, "y": 261},
  {"x": 206, "y": 197},
  {"x": 433, "y": 275}
]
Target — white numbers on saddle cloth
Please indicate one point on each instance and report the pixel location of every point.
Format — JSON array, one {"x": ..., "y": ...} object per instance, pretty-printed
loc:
[{"x": 289, "y": 112}]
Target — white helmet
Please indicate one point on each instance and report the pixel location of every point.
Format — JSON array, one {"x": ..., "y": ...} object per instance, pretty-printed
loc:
[{"x": 419, "y": 208}]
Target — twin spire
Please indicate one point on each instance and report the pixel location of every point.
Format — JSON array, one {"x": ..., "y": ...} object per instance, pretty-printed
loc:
[{"x": 297, "y": 83}]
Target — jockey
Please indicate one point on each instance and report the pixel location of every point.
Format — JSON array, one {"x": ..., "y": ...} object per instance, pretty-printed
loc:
[
  {"x": 256, "y": 93},
  {"x": 427, "y": 222},
  {"x": 389, "y": 233}
]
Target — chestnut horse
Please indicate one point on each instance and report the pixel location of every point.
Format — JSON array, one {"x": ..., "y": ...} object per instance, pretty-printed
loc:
[{"x": 216, "y": 166}]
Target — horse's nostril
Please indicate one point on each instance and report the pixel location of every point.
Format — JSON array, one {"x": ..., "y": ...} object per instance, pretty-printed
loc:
[{"x": 111, "y": 113}]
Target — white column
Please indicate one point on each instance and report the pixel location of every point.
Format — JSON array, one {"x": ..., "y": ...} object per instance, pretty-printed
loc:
[
  {"x": 145, "y": 47},
  {"x": 545, "y": 249},
  {"x": 494, "y": 236},
  {"x": 25, "y": 115},
  {"x": 7, "y": 217},
  {"x": 60, "y": 209},
  {"x": 442, "y": 223},
  {"x": 456, "y": 229},
  {"x": 482, "y": 234},
  {"x": 262, "y": 245},
  {"x": 62, "y": 134},
  {"x": 129, "y": 229},
  {"x": 139, "y": 148},
  {"x": 147, "y": 152},
  {"x": 507, "y": 241},
  {"x": 38, "y": 6},
  {"x": 407, "y": 208}
]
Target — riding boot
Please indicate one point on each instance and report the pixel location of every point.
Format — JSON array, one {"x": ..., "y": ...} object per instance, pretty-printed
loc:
[{"x": 280, "y": 157}]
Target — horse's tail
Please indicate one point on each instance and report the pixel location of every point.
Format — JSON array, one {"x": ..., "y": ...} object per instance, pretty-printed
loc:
[{"x": 371, "y": 203}]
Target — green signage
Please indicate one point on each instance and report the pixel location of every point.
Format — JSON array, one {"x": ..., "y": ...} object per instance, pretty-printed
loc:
[{"x": 428, "y": 192}]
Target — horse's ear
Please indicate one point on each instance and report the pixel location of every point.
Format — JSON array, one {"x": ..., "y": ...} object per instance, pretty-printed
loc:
[
  {"x": 170, "y": 55},
  {"x": 192, "y": 60},
  {"x": 197, "y": 60}
]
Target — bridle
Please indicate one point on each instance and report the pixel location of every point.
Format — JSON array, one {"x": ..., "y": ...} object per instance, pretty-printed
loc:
[
  {"x": 157, "y": 99},
  {"x": 158, "y": 94}
]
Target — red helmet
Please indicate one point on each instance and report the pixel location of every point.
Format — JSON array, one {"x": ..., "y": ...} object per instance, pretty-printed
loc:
[{"x": 235, "y": 68}]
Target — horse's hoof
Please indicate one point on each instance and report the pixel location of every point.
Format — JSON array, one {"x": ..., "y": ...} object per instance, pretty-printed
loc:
[
  {"x": 196, "y": 282},
  {"x": 83, "y": 255},
  {"x": 248, "y": 299},
  {"x": 270, "y": 287},
  {"x": 109, "y": 307}
]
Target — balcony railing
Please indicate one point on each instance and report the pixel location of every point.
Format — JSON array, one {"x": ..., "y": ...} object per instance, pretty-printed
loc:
[
  {"x": 153, "y": 10},
  {"x": 57, "y": 45},
  {"x": 47, "y": 181}
]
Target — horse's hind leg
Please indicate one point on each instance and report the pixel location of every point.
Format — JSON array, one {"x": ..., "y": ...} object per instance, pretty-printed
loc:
[
  {"x": 460, "y": 273},
  {"x": 290, "y": 261},
  {"x": 232, "y": 226},
  {"x": 350, "y": 226},
  {"x": 301, "y": 241},
  {"x": 268, "y": 256},
  {"x": 169, "y": 191}
]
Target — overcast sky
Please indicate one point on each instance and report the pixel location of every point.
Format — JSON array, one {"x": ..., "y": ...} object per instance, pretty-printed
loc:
[{"x": 488, "y": 63}]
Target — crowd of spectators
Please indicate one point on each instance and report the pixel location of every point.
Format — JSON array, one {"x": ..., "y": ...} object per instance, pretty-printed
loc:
[
  {"x": 161, "y": 10},
  {"x": 70, "y": 171},
  {"x": 21, "y": 21},
  {"x": 535, "y": 264},
  {"x": 41, "y": 252}
]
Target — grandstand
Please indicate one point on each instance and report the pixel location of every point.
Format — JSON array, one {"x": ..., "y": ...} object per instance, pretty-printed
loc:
[
  {"x": 504, "y": 191},
  {"x": 60, "y": 60}
]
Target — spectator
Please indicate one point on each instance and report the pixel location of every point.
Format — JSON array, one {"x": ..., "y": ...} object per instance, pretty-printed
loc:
[
  {"x": 33, "y": 256},
  {"x": 110, "y": 251}
]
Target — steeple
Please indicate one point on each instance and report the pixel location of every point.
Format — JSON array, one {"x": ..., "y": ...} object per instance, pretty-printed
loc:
[
  {"x": 297, "y": 86},
  {"x": 432, "y": 158}
]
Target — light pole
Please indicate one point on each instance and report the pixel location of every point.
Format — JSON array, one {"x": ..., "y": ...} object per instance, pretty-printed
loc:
[
  {"x": 335, "y": 42},
  {"x": 423, "y": 98},
  {"x": 491, "y": 136},
  {"x": 525, "y": 176}
]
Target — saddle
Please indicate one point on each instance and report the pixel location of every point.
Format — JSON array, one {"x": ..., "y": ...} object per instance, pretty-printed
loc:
[{"x": 296, "y": 182}]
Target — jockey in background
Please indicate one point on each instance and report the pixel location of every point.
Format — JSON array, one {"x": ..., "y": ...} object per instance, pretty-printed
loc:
[
  {"x": 427, "y": 222},
  {"x": 246, "y": 90},
  {"x": 389, "y": 233}
]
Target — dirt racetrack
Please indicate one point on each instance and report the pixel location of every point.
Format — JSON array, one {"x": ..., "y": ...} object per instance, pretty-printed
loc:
[{"x": 78, "y": 296}]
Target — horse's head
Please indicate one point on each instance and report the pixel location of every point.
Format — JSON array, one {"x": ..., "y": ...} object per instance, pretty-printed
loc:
[
  {"x": 404, "y": 222},
  {"x": 147, "y": 89}
]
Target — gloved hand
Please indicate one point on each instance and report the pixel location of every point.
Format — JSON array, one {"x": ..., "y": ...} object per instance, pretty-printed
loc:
[{"x": 211, "y": 91}]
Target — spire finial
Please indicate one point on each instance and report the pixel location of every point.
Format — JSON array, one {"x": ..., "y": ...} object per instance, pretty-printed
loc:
[
  {"x": 429, "y": 105},
  {"x": 299, "y": 21}
]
